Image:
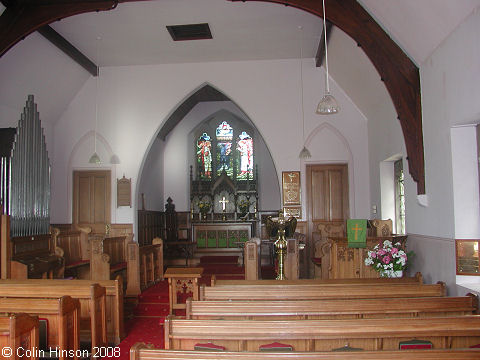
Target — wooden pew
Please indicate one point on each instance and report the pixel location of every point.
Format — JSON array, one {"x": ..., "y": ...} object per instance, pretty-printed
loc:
[
  {"x": 332, "y": 309},
  {"x": 62, "y": 315},
  {"x": 92, "y": 302},
  {"x": 108, "y": 256},
  {"x": 318, "y": 292},
  {"x": 113, "y": 293},
  {"x": 73, "y": 245},
  {"x": 141, "y": 351},
  {"x": 323, "y": 335},
  {"x": 417, "y": 279},
  {"x": 19, "y": 332},
  {"x": 145, "y": 266}
]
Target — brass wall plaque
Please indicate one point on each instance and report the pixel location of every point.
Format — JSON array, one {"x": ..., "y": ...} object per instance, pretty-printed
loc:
[
  {"x": 295, "y": 211},
  {"x": 467, "y": 257},
  {"x": 291, "y": 187},
  {"x": 124, "y": 192}
]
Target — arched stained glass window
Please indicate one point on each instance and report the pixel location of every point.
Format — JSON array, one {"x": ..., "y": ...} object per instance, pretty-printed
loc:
[
  {"x": 204, "y": 156},
  {"x": 224, "y": 133},
  {"x": 245, "y": 150}
]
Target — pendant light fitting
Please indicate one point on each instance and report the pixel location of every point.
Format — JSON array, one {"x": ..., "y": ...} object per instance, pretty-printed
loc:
[{"x": 328, "y": 104}]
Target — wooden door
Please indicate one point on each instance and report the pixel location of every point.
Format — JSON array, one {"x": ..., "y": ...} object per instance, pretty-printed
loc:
[
  {"x": 327, "y": 198},
  {"x": 91, "y": 199}
]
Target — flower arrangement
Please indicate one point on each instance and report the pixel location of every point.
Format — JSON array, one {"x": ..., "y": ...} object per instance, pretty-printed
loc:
[
  {"x": 204, "y": 206},
  {"x": 244, "y": 205},
  {"x": 388, "y": 258}
]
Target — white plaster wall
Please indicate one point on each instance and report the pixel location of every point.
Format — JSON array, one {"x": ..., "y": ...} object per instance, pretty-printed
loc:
[
  {"x": 465, "y": 182},
  {"x": 450, "y": 93},
  {"x": 134, "y": 102}
]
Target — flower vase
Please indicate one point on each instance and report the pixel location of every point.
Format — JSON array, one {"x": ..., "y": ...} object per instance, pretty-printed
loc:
[
  {"x": 392, "y": 274},
  {"x": 397, "y": 274}
]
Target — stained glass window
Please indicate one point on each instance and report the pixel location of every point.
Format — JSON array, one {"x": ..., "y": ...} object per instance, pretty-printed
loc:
[
  {"x": 245, "y": 150},
  {"x": 230, "y": 150},
  {"x": 204, "y": 156},
  {"x": 224, "y": 133}
]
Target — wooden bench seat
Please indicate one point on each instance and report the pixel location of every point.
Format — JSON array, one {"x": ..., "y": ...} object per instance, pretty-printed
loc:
[
  {"x": 141, "y": 351},
  {"x": 145, "y": 266},
  {"x": 323, "y": 335},
  {"x": 19, "y": 332},
  {"x": 91, "y": 296},
  {"x": 108, "y": 257},
  {"x": 318, "y": 292},
  {"x": 332, "y": 309},
  {"x": 113, "y": 301},
  {"x": 62, "y": 316},
  {"x": 417, "y": 279},
  {"x": 72, "y": 244}
]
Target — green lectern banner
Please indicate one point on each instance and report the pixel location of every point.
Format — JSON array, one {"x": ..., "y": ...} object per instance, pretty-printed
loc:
[{"x": 357, "y": 233}]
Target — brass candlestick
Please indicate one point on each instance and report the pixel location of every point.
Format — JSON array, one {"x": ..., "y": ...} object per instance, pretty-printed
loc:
[{"x": 281, "y": 248}]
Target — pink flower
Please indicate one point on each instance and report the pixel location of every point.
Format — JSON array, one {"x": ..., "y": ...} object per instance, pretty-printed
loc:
[
  {"x": 394, "y": 250},
  {"x": 381, "y": 252},
  {"x": 373, "y": 255},
  {"x": 386, "y": 260}
]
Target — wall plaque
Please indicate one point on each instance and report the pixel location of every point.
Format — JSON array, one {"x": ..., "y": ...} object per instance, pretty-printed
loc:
[
  {"x": 291, "y": 187},
  {"x": 124, "y": 192},
  {"x": 295, "y": 211}
]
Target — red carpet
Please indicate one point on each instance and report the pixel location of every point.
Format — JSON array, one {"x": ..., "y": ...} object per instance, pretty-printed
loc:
[{"x": 153, "y": 305}]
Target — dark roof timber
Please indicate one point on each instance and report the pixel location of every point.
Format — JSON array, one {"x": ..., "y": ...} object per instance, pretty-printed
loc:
[{"x": 400, "y": 74}]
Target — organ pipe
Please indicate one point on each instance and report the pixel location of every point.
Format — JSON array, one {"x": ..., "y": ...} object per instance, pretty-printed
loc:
[{"x": 26, "y": 177}]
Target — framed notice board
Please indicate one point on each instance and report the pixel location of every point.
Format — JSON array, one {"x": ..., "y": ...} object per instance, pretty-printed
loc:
[
  {"x": 124, "y": 192},
  {"x": 291, "y": 187}
]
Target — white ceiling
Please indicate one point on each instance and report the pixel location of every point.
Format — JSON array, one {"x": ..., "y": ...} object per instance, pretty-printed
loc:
[{"x": 135, "y": 33}]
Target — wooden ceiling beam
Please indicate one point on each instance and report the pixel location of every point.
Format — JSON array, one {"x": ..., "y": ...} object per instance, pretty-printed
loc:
[
  {"x": 65, "y": 46},
  {"x": 321, "y": 44},
  {"x": 400, "y": 75}
]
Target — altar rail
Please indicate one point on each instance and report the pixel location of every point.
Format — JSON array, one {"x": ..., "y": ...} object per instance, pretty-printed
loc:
[
  {"x": 322, "y": 335},
  {"x": 140, "y": 351}
]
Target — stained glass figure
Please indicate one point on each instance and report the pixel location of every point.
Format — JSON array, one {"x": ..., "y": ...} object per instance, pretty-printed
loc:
[
  {"x": 224, "y": 158},
  {"x": 245, "y": 149},
  {"x": 224, "y": 133},
  {"x": 204, "y": 156}
]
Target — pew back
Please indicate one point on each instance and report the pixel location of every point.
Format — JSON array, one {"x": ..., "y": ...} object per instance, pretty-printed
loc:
[
  {"x": 141, "y": 351},
  {"x": 91, "y": 297},
  {"x": 113, "y": 293},
  {"x": 322, "y": 335},
  {"x": 19, "y": 331},
  {"x": 318, "y": 292},
  {"x": 62, "y": 315},
  {"x": 332, "y": 309},
  {"x": 417, "y": 279}
]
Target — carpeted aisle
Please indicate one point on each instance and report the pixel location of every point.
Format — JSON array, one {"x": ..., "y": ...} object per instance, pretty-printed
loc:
[{"x": 153, "y": 306}]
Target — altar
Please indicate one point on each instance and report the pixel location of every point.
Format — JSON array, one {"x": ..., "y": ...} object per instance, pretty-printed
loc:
[{"x": 224, "y": 236}]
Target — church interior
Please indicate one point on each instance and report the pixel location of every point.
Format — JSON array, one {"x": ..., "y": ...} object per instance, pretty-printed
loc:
[{"x": 241, "y": 179}]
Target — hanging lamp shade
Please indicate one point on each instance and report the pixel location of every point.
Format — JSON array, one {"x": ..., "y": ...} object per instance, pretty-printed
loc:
[
  {"x": 94, "y": 159},
  {"x": 305, "y": 153},
  {"x": 328, "y": 104}
]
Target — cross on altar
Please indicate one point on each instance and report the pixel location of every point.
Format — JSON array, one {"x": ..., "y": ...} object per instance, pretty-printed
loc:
[
  {"x": 223, "y": 202},
  {"x": 356, "y": 229}
]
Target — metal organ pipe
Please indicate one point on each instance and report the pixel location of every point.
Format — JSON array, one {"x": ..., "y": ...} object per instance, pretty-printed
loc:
[{"x": 29, "y": 177}]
